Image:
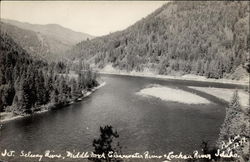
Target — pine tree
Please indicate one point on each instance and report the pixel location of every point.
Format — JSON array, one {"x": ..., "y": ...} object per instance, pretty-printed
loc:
[
  {"x": 235, "y": 102},
  {"x": 103, "y": 145},
  {"x": 73, "y": 88},
  {"x": 230, "y": 126},
  {"x": 40, "y": 89},
  {"x": 24, "y": 100}
]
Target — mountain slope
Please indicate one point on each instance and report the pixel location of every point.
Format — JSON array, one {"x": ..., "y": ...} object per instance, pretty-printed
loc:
[
  {"x": 204, "y": 38},
  {"x": 31, "y": 41},
  {"x": 53, "y": 38}
]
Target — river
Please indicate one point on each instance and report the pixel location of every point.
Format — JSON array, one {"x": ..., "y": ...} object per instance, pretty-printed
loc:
[{"x": 143, "y": 123}]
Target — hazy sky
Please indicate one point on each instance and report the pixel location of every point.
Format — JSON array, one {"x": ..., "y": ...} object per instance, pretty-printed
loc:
[{"x": 95, "y": 18}]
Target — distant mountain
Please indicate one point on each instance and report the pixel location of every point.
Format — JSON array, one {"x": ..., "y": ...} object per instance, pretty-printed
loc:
[
  {"x": 50, "y": 40},
  {"x": 31, "y": 41},
  {"x": 209, "y": 38}
]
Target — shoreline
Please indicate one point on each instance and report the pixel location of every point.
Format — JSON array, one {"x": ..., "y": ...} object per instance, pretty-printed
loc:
[
  {"x": 188, "y": 77},
  {"x": 11, "y": 116}
]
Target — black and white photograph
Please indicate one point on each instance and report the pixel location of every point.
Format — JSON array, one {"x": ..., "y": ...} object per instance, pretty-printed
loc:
[{"x": 124, "y": 81}]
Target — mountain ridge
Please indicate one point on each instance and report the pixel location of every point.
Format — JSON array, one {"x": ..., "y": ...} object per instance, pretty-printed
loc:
[
  {"x": 47, "y": 41},
  {"x": 204, "y": 38},
  {"x": 38, "y": 27}
]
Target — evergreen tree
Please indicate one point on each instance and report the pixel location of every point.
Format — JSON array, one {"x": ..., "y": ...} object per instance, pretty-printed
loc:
[
  {"x": 103, "y": 145},
  {"x": 25, "y": 100},
  {"x": 233, "y": 114},
  {"x": 73, "y": 88}
]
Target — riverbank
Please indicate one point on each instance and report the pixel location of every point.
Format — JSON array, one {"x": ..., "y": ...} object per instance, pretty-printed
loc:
[
  {"x": 191, "y": 77},
  {"x": 8, "y": 116}
]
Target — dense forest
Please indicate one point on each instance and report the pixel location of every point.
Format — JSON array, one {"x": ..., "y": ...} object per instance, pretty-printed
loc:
[
  {"x": 27, "y": 83},
  {"x": 209, "y": 38}
]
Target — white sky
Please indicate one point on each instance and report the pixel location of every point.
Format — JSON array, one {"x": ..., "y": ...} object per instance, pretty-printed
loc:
[{"x": 92, "y": 17}]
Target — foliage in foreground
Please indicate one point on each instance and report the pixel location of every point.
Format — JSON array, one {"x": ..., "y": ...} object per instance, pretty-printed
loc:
[{"x": 105, "y": 143}]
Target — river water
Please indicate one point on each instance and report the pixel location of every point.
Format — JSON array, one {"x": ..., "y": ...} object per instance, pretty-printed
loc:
[{"x": 143, "y": 123}]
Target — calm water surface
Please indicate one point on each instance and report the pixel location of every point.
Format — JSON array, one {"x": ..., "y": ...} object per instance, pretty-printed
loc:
[{"x": 143, "y": 123}]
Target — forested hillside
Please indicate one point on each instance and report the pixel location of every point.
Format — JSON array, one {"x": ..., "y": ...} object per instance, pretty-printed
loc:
[
  {"x": 209, "y": 38},
  {"x": 48, "y": 41},
  {"x": 27, "y": 83}
]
